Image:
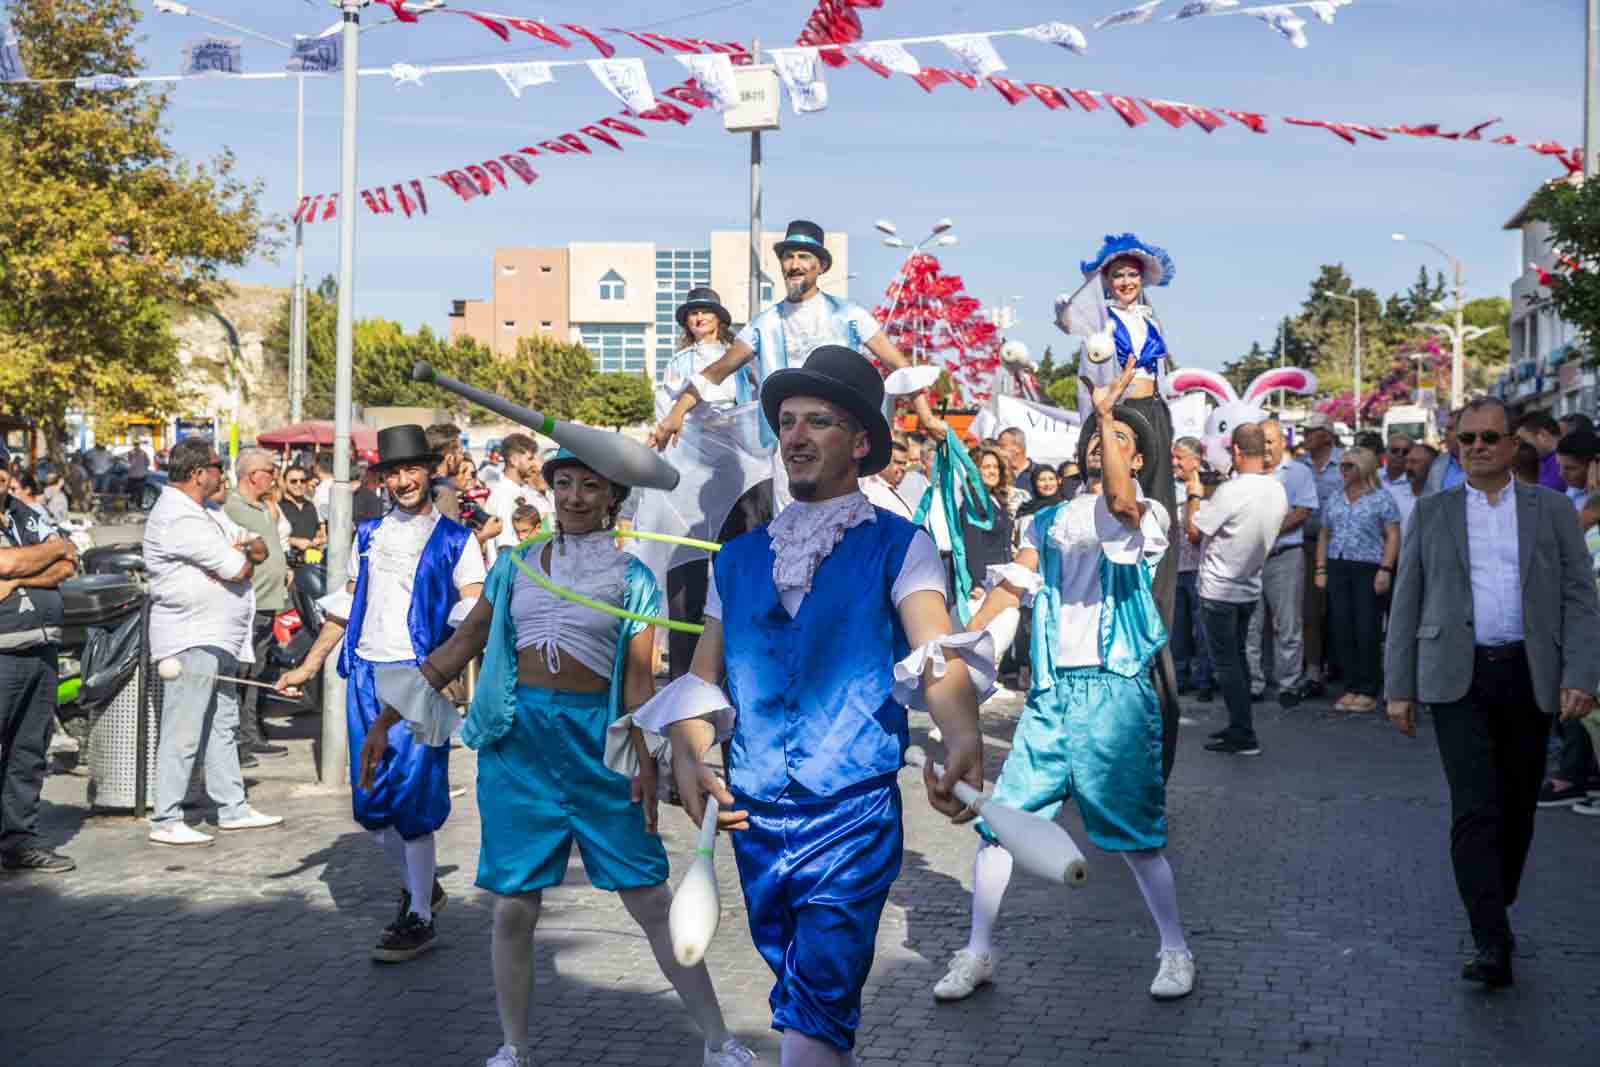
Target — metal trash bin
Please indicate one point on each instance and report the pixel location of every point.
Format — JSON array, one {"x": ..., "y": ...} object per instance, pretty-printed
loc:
[{"x": 121, "y": 753}]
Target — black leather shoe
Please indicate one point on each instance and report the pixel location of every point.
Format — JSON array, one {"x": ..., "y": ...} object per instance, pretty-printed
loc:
[
  {"x": 265, "y": 748},
  {"x": 247, "y": 758},
  {"x": 1490, "y": 966}
]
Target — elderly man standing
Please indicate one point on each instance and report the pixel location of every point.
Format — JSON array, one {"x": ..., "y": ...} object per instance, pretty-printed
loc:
[
  {"x": 1495, "y": 628},
  {"x": 883, "y": 488},
  {"x": 200, "y": 564},
  {"x": 1322, "y": 457},
  {"x": 1393, "y": 469},
  {"x": 1283, "y": 578},
  {"x": 34, "y": 561},
  {"x": 1015, "y": 443},
  {"x": 255, "y": 471}
]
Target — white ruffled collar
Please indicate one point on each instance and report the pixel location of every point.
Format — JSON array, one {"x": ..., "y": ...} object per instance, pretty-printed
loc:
[{"x": 805, "y": 532}]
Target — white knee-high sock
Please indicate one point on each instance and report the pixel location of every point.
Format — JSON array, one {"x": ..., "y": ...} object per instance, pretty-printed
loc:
[
  {"x": 1154, "y": 875},
  {"x": 649, "y": 908},
  {"x": 802, "y": 1051},
  {"x": 991, "y": 873},
  {"x": 421, "y": 859},
  {"x": 394, "y": 847},
  {"x": 511, "y": 948}
]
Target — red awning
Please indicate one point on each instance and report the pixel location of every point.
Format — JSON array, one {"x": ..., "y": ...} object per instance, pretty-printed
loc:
[{"x": 317, "y": 432}]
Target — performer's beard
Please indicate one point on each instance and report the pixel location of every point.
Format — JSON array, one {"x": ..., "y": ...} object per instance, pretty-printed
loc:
[{"x": 798, "y": 288}]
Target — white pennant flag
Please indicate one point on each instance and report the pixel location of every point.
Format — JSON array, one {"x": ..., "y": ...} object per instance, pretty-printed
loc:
[
  {"x": 626, "y": 80},
  {"x": 714, "y": 73},
  {"x": 214, "y": 55},
  {"x": 1062, "y": 34},
  {"x": 12, "y": 69},
  {"x": 1196, "y": 8},
  {"x": 893, "y": 55},
  {"x": 316, "y": 55},
  {"x": 102, "y": 83},
  {"x": 801, "y": 72},
  {"x": 976, "y": 53},
  {"x": 1291, "y": 26},
  {"x": 406, "y": 74},
  {"x": 520, "y": 76},
  {"x": 1130, "y": 17},
  {"x": 1324, "y": 9}
]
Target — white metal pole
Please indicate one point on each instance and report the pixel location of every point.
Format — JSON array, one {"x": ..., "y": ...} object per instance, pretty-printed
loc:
[
  {"x": 1457, "y": 361},
  {"x": 1591, "y": 105},
  {"x": 1358, "y": 365},
  {"x": 297, "y": 313},
  {"x": 755, "y": 214},
  {"x": 335, "y": 736}
]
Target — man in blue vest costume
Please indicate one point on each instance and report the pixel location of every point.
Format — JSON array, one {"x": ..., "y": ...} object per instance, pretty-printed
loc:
[
  {"x": 1092, "y": 729},
  {"x": 783, "y": 336},
  {"x": 812, "y": 620},
  {"x": 414, "y": 574}
]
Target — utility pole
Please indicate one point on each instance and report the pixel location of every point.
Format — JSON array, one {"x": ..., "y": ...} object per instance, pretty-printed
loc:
[
  {"x": 755, "y": 209},
  {"x": 1591, "y": 106},
  {"x": 335, "y": 735},
  {"x": 297, "y": 312},
  {"x": 1458, "y": 369}
]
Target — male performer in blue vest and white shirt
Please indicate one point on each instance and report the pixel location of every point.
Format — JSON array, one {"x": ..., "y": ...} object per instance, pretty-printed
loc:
[
  {"x": 414, "y": 574},
  {"x": 785, "y": 334},
  {"x": 826, "y": 624}
]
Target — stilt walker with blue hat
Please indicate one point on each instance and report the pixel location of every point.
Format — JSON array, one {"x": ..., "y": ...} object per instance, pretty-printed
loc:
[{"x": 825, "y": 625}]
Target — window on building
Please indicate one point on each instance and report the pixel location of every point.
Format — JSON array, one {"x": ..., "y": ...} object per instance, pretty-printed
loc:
[
  {"x": 545, "y": 325},
  {"x": 615, "y": 347},
  {"x": 612, "y": 287},
  {"x": 766, "y": 289},
  {"x": 508, "y": 269},
  {"x": 510, "y": 324},
  {"x": 677, "y": 271},
  {"x": 545, "y": 270}
]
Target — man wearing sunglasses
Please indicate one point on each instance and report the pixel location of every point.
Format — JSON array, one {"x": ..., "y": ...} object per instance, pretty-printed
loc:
[
  {"x": 305, "y": 525},
  {"x": 1494, "y": 627}
]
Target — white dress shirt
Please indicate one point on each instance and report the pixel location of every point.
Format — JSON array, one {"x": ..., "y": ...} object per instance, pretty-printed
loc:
[
  {"x": 1492, "y": 555},
  {"x": 189, "y": 553},
  {"x": 392, "y": 557},
  {"x": 1404, "y": 499},
  {"x": 886, "y": 496}
]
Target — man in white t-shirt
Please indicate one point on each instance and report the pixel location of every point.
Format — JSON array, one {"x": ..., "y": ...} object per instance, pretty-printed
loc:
[
  {"x": 1408, "y": 490},
  {"x": 520, "y": 483},
  {"x": 883, "y": 488},
  {"x": 1240, "y": 523},
  {"x": 413, "y": 575},
  {"x": 1283, "y": 579}
]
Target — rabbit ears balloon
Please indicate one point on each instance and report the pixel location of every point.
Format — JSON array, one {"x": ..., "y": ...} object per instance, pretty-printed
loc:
[{"x": 1233, "y": 410}]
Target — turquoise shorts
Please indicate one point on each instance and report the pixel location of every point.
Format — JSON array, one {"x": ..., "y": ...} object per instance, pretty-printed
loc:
[
  {"x": 545, "y": 785},
  {"x": 1095, "y": 737}
]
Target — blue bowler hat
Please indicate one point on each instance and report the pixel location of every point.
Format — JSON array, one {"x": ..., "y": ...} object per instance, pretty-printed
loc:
[
  {"x": 1157, "y": 265},
  {"x": 804, "y": 236}
]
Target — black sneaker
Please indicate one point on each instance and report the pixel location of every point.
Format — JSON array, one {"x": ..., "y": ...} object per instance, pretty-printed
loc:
[
  {"x": 437, "y": 900},
  {"x": 404, "y": 940},
  {"x": 247, "y": 759},
  {"x": 271, "y": 751},
  {"x": 1288, "y": 698},
  {"x": 1232, "y": 746},
  {"x": 1215, "y": 734},
  {"x": 1551, "y": 797},
  {"x": 1312, "y": 688},
  {"x": 35, "y": 861},
  {"x": 1207, "y": 695}
]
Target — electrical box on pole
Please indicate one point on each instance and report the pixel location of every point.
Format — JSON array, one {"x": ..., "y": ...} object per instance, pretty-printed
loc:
[{"x": 760, "y": 101}]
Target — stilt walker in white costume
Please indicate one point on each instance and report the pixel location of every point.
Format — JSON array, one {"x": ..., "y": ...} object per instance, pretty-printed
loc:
[
  {"x": 413, "y": 575},
  {"x": 559, "y": 759},
  {"x": 1091, "y": 730},
  {"x": 783, "y": 336},
  {"x": 825, "y": 624}
]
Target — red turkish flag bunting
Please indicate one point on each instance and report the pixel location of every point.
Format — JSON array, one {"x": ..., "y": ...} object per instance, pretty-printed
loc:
[
  {"x": 1171, "y": 114},
  {"x": 457, "y": 182},
  {"x": 400, "y": 12},
  {"x": 1048, "y": 95},
  {"x": 371, "y": 201},
  {"x": 576, "y": 143},
  {"x": 688, "y": 93},
  {"x": 602, "y": 136},
  {"x": 1429, "y": 130},
  {"x": 1013, "y": 92},
  {"x": 1549, "y": 148},
  {"x": 1504, "y": 139},
  {"x": 929, "y": 77},
  {"x": 528, "y": 150},
  {"x": 495, "y": 169},
  {"x": 479, "y": 175},
  {"x": 1129, "y": 111},
  {"x": 677, "y": 44},
  {"x": 1085, "y": 98},
  {"x": 1202, "y": 117},
  {"x": 1376, "y": 135},
  {"x": 1476, "y": 133},
  {"x": 520, "y": 168},
  {"x": 969, "y": 80},
  {"x": 1257, "y": 123},
  {"x": 539, "y": 30},
  {"x": 332, "y": 208},
  {"x": 300, "y": 210},
  {"x": 621, "y": 127},
  {"x": 498, "y": 28},
  {"x": 310, "y": 212},
  {"x": 405, "y": 201},
  {"x": 383, "y": 200},
  {"x": 640, "y": 38},
  {"x": 1338, "y": 129},
  {"x": 600, "y": 43},
  {"x": 554, "y": 146},
  {"x": 873, "y": 65},
  {"x": 666, "y": 112},
  {"x": 422, "y": 198}
]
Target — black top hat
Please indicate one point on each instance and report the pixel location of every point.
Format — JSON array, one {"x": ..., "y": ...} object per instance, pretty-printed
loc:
[
  {"x": 803, "y": 236},
  {"x": 1144, "y": 435},
  {"x": 840, "y": 376},
  {"x": 703, "y": 298},
  {"x": 404, "y": 444}
]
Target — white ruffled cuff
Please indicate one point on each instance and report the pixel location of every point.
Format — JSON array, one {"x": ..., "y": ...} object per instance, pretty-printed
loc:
[
  {"x": 428, "y": 714},
  {"x": 909, "y": 380},
  {"x": 687, "y": 697},
  {"x": 459, "y": 613},
  {"x": 976, "y": 649},
  {"x": 620, "y": 756},
  {"x": 337, "y": 604},
  {"x": 1014, "y": 574}
]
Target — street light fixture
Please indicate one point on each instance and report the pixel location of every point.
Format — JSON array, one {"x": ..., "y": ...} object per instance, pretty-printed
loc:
[
  {"x": 893, "y": 242},
  {"x": 947, "y": 239},
  {"x": 885, "y": 226},
  {"x": 939, "y": 235},
  {"x": 1459, "y": 334},
  {"x": 942, "y": 225}
]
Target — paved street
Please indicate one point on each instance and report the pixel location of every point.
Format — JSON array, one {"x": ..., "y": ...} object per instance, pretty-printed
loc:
[{"x": 1313, "y": 880}]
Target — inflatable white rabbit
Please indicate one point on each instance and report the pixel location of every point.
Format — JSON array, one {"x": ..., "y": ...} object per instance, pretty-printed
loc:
[{"x": 1233, "y": 410}]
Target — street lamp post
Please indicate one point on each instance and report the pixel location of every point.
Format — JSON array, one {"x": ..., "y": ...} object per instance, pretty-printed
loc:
[
  {"x": 1457, "y": 335},
  {"x": 1356, "y": 389}
]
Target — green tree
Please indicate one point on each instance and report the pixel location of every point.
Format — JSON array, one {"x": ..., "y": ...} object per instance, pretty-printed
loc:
[
  {"x": 547, "y": 375},
  {"x": 103, "y": 228},
  {"x": 1571, "y": 209},
  {"x": 618, "y": 399}
]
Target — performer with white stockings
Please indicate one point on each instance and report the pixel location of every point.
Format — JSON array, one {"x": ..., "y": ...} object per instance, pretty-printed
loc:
[
  {"x": 413, "y": 575},
  {"x": 811, "y": 620},
  {"x": 559, "y": 758},
  {"x": 1092, "y": 727}
]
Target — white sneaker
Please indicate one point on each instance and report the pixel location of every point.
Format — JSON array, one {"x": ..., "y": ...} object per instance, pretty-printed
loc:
[
  {"x": 729, "y": 1054},
  {"x": 968, "y": 971},
  {"x": 1176, "y": 977},
  {"x": 250, "y": 820},
  {"x": 507, "y": 1056},
  {"x": 179, "y": 833}
]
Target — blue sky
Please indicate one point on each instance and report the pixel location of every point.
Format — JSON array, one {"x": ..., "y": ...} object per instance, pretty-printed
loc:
[{"x": 1246, "y": 217}]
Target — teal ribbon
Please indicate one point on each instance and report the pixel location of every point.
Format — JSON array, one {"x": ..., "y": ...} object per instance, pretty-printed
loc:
[{"x": 950, "y": 462}]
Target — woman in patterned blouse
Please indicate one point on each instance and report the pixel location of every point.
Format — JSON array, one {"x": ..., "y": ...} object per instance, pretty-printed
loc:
[{"x": 1356, "y": 553}]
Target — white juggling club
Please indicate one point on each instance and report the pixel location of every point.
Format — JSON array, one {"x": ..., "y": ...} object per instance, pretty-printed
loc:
[
  {"x": 697, "y": 906},
  {"x": 1038, "y": 845},
  {"x": 171, "y": 667}
]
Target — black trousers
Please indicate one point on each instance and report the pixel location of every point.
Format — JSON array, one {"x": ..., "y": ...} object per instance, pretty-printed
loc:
[
  {"x": 1227, "y": 627},
  {"x": 687, "y": 583},
  {"x": 252, "y": 730},
  {"x": 1577, "y": 753},
  {"x": 1355, "y": 621},
  {"x": 27, "y": 711},
  {"x": 1492, "y": 744}
]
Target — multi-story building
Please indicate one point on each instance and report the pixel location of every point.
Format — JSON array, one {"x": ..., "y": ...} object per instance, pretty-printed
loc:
[
  {"x": 1546, "y": 369},
  {"x": 618, "y": 298}
]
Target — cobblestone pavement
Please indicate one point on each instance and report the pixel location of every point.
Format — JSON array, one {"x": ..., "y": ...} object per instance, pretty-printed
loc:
[{"x": 1314, "y": 883}]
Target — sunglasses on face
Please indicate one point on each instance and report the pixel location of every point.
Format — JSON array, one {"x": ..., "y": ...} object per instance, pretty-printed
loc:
[
  {"x": 295, "y": 481},
  {"x": 1488, "y": 437},
  {"x": 1347, "y": 466}
]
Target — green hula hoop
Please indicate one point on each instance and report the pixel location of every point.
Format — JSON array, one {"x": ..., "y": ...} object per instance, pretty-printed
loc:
[{"x": 611, "y": 609}]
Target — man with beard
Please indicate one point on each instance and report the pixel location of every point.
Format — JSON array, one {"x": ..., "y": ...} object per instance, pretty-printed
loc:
[
  {"x": 1092, "y": 727},
  {"x": 413, "y": 575},
  {"x": 806, "y": 619},
  {"x": 783, "y": 336}
]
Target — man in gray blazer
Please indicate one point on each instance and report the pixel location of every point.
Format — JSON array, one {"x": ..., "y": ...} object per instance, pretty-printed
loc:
[
  {"x": 1446, "y": 471},
  {"x": 1494, "y": 626}
]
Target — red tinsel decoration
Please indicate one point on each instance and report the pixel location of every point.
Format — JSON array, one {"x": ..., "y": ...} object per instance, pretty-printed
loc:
[{"x": 930, "y": 317}]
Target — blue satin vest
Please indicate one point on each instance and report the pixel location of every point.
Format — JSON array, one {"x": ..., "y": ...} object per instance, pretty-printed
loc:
[
  {"x": 433, "y": 591},
  {"x": 813, "y": 692},
  {"x": 1150, "y": 356}
]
